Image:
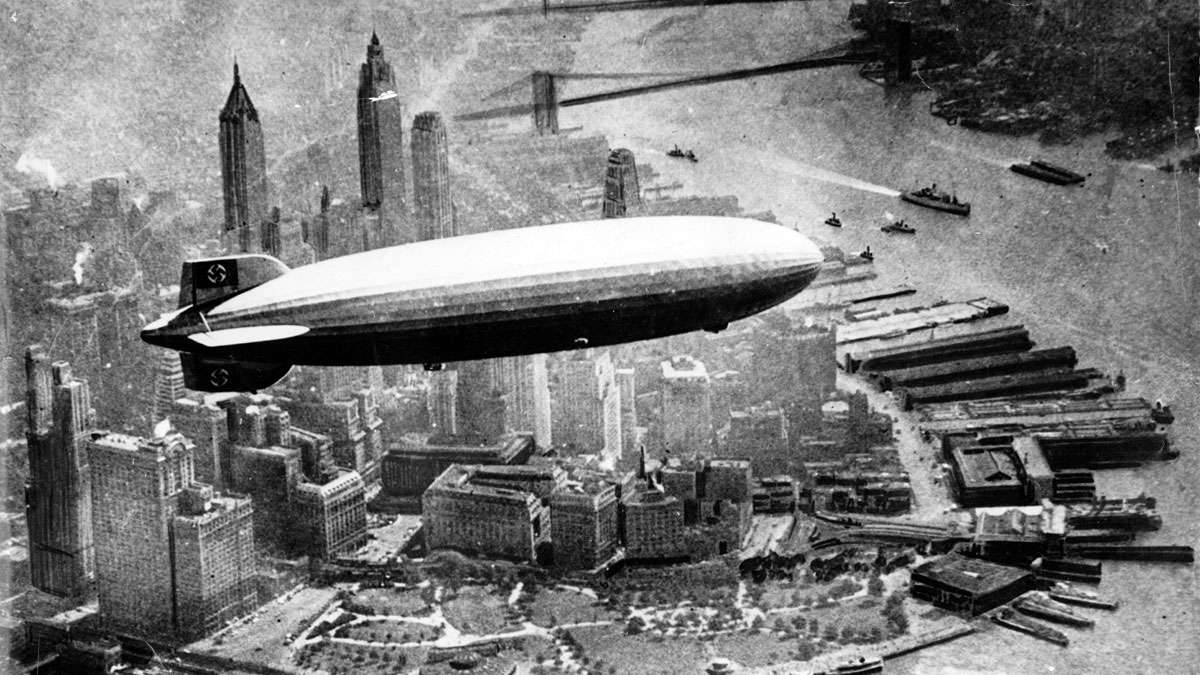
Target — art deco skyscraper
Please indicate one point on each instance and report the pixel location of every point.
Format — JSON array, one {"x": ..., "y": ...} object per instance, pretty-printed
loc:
[
  {"x": 58, "y": 495},
  {"x": 431, "y": 178},
  {"x": 380, "y": 149},
  {"x": 243, "y": 166},
  {"x": 621, "y": 190}
]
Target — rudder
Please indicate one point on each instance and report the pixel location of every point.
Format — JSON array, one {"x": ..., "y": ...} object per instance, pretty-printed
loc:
[
  {"x": 208, "y": 279},
  {"x": 215, "y": 374}
]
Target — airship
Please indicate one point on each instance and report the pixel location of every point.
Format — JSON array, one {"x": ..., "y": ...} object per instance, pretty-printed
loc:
[{"x": 243, "y": 321}]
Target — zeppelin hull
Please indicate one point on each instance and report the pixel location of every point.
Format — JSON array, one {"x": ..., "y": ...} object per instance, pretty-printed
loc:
[
  {"x": 548, "y": 328},
  {"x": 526, "y": 291}
]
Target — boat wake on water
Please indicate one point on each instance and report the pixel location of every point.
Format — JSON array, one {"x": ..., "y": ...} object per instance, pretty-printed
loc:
[{"x": 783, "y": 164}]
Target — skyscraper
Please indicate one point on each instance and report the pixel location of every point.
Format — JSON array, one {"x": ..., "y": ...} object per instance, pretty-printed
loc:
[
  {"x": 443, "y": 401},
  {"x": 431, "y": 178},
  {"x": 621, "y": 189},
  {"x": 588, "y": 406},
  {"x": 214, "y": 560},
  {"x": 243, "y": 166},
  {"x": 168, "y": 384},
  {"x": 58, "y": 494},
  {"x": 172, "y": 560},
  {"x": 627, "y": 384},
  {"x": 137, "y": 484},
  {"x": 525, "y": 385},
  {"x": 380, "y": 150},
  {"x": 686, "y": 406}
]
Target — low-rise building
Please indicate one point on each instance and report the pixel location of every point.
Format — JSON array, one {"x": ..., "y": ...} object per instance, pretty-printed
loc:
[
  {"x": 969, "y": 585},
  {"x": 409, "y": 468},
  {"x": 475, "y": 509}
]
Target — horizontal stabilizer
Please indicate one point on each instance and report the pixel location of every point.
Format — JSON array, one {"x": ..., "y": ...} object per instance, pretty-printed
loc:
[
  {"x": 213, "y": 278},
  {"x": 247, "y": 335},
  {"x": 202, "y": 373}
]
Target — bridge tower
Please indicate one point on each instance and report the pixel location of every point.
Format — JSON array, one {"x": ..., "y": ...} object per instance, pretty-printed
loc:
[
  {"x": 899, "y": 21},
  {"x": 545, "y": 103}
]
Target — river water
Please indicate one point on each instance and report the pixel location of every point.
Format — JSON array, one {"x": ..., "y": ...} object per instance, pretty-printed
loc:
[{"x": 1110, "y": 267}]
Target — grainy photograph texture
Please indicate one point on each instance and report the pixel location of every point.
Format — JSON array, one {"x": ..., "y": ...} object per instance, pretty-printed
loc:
[{"x": 599, "y": 337}]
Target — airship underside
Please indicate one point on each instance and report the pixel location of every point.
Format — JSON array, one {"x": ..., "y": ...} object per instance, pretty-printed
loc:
[{"x": 244, "y": 320}]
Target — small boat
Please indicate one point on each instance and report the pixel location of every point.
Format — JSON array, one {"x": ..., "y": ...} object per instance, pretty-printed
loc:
[
  {"x": 866, "y": 254},
  {"x": 833, "y": 221},
  {"x": 899, "y": 226},
  {"x": 863, "y": 664},
  {"x": 675, "y": 152},
  {"x": 1047, "y": 172},
  {"x": 1064, "y": 592},
  {"x": 931, "y": 197},
  {"x": 1040, "y": 605},
  {"x": 1010, "y": 619}
]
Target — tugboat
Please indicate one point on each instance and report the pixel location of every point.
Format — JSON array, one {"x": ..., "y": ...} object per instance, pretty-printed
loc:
[
  {"x": 866, "y": 254},
  {"x": 1040, "y": 605},
  {"x": 899, "y": 226},
  {"x": 833, "y": 221},
  {"x": 1010, "y": 619},
  {"x": 1047, "y": 172},
  {"x": 931, "y": 197},
  {"x": 675, "y": 152},
  {"x": 1162, "y": 413},
  {"x": 1064, "y": 592}
]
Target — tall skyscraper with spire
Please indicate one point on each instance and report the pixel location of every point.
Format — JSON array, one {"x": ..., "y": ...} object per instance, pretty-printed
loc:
[
  {"x": 381, "y": 152},
  {"x": 243, "y": 166},
  {"x": 431, "y": 178}
]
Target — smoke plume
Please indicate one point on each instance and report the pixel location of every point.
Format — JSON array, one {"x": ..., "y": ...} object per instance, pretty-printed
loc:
[{"x": 29, "y": 164}]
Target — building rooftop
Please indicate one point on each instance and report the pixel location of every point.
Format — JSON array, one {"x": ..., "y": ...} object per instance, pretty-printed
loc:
[
  {"x": 684, "y": 368},
  {"x": 987, "y": 465},
  {"x": 969, "y": 574}
]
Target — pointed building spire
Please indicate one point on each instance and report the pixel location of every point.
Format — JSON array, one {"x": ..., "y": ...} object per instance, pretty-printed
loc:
[{"x": 237, "y": 78}]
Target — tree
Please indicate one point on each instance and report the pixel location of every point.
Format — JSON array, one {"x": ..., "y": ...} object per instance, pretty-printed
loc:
[
  {"x": 875, "y": 586},
  {"x": 805, "y": 649},
  {"x": 635, "y": 625}
]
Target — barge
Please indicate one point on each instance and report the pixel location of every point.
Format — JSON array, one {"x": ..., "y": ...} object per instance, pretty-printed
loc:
[
  {"x": 1011, "y": 619},
  {"x": 1048, "y": 172},
  {"x": 1040, "y": 604}
]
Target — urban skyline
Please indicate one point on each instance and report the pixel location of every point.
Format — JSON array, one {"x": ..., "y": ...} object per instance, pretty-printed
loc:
[{"x": 853, "y": 458}]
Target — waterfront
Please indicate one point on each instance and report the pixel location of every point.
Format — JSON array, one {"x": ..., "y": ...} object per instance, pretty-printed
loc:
[{"x": 1109, "y": 267}]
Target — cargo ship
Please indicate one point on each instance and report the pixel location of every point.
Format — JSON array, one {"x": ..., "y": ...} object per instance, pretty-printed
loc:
[
  {"x": 1010, "y": 619},
  {"x": 1047, "y": 172},
  {"x": 1040, "y": 605},
  {"x": 932, "y": 198}
]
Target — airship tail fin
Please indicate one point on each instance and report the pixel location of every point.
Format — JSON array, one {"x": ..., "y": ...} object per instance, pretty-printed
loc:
[
  {"x": 214, "y": 278},
  {"x": 204, "y": 373}
]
